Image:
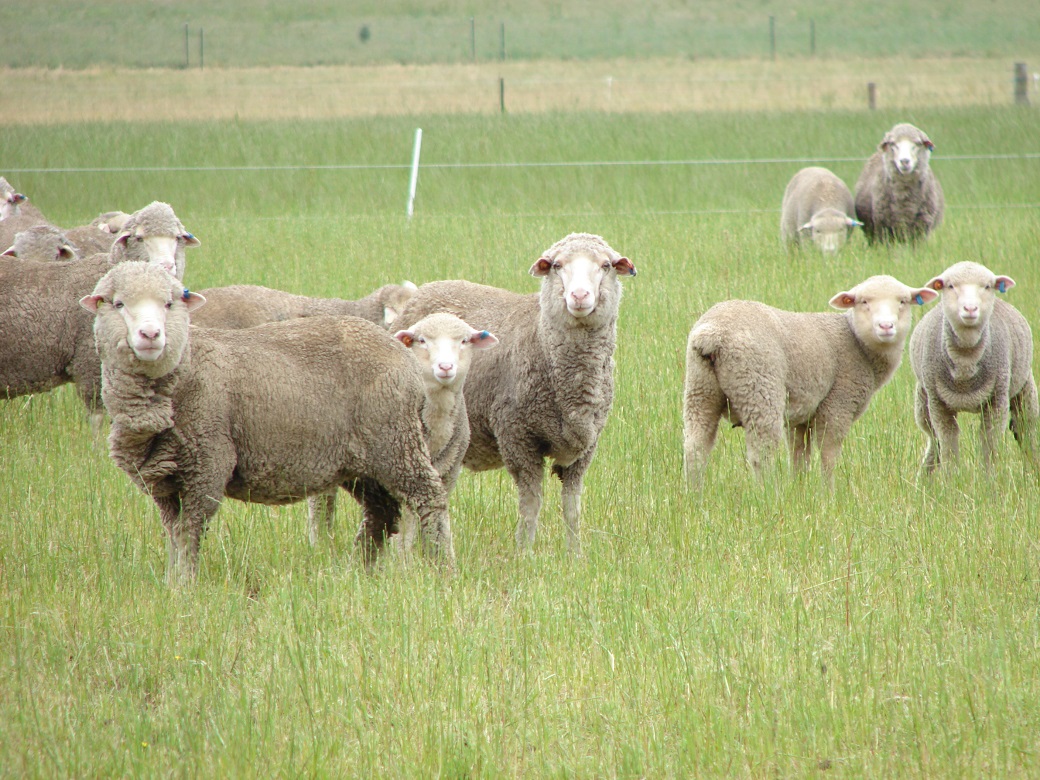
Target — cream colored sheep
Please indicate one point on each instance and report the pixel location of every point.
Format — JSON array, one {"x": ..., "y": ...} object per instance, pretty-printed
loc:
[{"x": 818, "y": 205}]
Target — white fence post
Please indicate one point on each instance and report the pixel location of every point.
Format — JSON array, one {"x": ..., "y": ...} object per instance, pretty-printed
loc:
[{"x": 415, "y": 172}]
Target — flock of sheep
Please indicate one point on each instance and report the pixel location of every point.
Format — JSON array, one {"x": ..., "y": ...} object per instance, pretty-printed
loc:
[{"x": 270, "y": 397}]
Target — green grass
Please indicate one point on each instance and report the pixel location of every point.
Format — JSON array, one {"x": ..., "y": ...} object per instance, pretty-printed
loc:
[
  {"x": 887, "y": 628},
  {"x": 84, "y": 33}
]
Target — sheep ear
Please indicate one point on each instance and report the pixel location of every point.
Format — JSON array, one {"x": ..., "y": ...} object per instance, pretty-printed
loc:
[
  {"x": 66, "y": 252},
  {"x": 192, "y": 300},
  {"x": 482, "y": 339},
  {"x": 9, "y": 252},
  {"x": 406, "y": 337},
  {"x": 843, "y": 300},
  {"x": 923, "y": 295},
  {"x": 389, "y": 315},
  {"x": 1005, "y": 283},
  {"x": 928, "y": 145},
  {"x": 122, "y": 238},
  {"x": 190, "y": 240},
  {"x": 936, "y": 283},
  {"x": 624, "y": 266},
  {"x": 541, "y": 267},
  {"x": 806, "y": 228},
  {"x": 409, "y": 286},
  {"x": 853, "y": 222},
  {"x": 90, "y": 302}
]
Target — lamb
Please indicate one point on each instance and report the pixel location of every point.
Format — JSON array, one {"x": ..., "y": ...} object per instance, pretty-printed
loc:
[
  {"x": 817, "y": 204},
  {"x": 42, "y": 243},
  {"x": 267, "y": 415},
  {"x": 973, "y": 353},
  {"x": 243, "y": 306},
  {"x": 547, "y": 391},
  {"x": 898, "y": 197},
  {"x": 812, "y": 373},
  {"x": 443, "y": 345},
  {"x": 45, "y": 338}
]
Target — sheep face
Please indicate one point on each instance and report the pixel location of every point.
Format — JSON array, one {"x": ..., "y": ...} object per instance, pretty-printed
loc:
[
  {"x": 9, "y": 206},
  {"x": 167, "y": 252},
  {"x": 906, "y": 148},
  {"x": 134, "y": 304},
  {"x": 580, "y": 276},
  {"x": 829, "y": 229},
  {"x": 443, "y": 345},
  {"x": 879, "y": 309},
  {"x": 43, "y": 243},
  {"x": 969, "y": 293}
]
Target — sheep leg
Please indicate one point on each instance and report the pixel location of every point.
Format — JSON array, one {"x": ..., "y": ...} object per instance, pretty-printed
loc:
[
  {"x": 800, "y": 442},
  {"x": 321, "y": 510},
  {"x": 703, "y": 407},
  {"x": 185, "y": 519},
  {"x": 572, "y": 478},
  {"x": 380, "y": 512},
  {"x": 527, "y": 473},
  {"x": 1024, "y": 414},
  {"x": 832, "y": 434},
  {"x": 931, "y": 452},
  {"x": 947, "y": 432}
]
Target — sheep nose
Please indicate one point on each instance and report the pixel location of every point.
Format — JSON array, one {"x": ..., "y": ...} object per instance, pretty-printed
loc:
[
  {"x": 887, "y": 326},
  {"x": 446, "y": 367},
  {"x": 580, "y": 296},
  {"x": 970, "y": 308},
  {"x": 149, "y": 332}
]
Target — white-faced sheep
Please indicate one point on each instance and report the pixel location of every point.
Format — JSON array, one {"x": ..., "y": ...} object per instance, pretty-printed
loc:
[
  {"x": 267, "y": 415},
  {"x": 818, "y": 205},
  {"x": 42, "y": 243},
  {"x": 547, "y": 390},
  {"x": 973, "y": 353},
  {"x": 244, "y": 305},
  {"x": 156, "y": 235},
  {"x": 812, "y": 373},
  {"x": 15, "y": 204},
  {"x": 45, "y": 337},
  {"x": 898, "y": 197}
]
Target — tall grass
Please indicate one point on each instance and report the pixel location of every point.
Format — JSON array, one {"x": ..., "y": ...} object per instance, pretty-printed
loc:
[{"x": 887, "y": 627}]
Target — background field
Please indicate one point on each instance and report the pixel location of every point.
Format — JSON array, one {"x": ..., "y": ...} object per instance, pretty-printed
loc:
[{"x": 886, "y": 628}]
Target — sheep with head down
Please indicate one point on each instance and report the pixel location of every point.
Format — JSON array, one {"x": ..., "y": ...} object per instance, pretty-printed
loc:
[
  {"x": 42, "y": 243},
  {"x": 271, "y": 414},
  {"x": 546, "y": 391},
  {"x": 817, "y": 205}
]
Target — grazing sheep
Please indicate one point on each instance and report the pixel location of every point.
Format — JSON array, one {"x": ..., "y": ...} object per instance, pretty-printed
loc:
[
  {"x": 898, "y": 197},
  {"x": 154, "y": 234},
  {"x": 814, "y": 373},
  {"x": 244, "y": 305},
  {"x": 42, "y": 243},
  {"x": 817, "y": 204},
  {"x": 45, "y": 337},
  {"x": 546, "y": 392},
  {"x": 267, "y": 415},
  {"x": 442, "y": 344},
  {"x": 973, "y": 353}
]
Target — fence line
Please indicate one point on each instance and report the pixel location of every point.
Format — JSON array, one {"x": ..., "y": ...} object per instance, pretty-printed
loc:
[{"x": 486, "y": 165}]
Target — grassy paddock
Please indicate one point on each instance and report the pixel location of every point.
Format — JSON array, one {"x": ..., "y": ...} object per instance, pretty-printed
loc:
[{"x": 885, "y": 628}]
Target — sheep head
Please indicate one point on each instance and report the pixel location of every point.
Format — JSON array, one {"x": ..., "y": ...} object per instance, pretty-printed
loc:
[
  {"x": 907, "y": 148},
  {"x": 443, "y": 345},
  {"x": 581, "y": 269},
  {"x": 879, "y": 309},
  {"x": 969, "y": 293}
]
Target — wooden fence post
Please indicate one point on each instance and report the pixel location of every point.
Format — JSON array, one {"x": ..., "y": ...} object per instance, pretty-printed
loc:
[
  {"x": 872, "y": 96},
  {"x": 1021, "y": 84}
]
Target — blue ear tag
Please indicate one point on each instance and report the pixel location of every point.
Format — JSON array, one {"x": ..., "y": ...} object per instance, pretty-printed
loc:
[
  {"x": 187, "y": 294},
  {"x": 919, "y": 299},
  {"x": 1002, "y": 286}
]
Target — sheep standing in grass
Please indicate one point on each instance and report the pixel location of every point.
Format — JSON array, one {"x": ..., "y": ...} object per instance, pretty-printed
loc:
[
  {"x": 817, "y": 204},
  {"x": 898, "y": 197},
  {"x": 547, "y": 390},
  {"x": 244, "y": 305},
  {"x": 42, "y": 243},
  {"x": 973, "y": 353},
  {"x": 45, "y": 337},
  {"x": 812, "y": 373},
  {"x": 443, "y": 345},
  {"x": 267, "y": 415}
]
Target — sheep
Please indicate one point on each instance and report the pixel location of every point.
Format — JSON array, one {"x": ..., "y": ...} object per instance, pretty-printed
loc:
[
  {"x": 111, "y": 222},
  {"x": 42, "y": 243},
  {"x": 898, "y": 197},
  {"x": 814, "y": 373},
  {"x": 443, "y": 345},
  {"x": 243, "y": 306},
  {"x": 15, "y": 204},
  {"x": 267, "y": 415},
  {"x": 45, "y": 338},
  {"x": 817, "y": 204},
  {"x": 973, "y": 353},
  {"x": 547, "y": 390},
  {"x": 155, "y": 234}
]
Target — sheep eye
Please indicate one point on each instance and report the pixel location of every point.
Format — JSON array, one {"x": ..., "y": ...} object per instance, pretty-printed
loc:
[
  {"x": 556, "y": 265},
  {"x": 117, "y": 304},
  {"x": 169, "y": 304}
]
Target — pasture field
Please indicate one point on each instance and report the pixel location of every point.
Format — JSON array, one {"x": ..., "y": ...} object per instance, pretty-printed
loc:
[
  {"x": 225, "y": 33},
  {"x": 890, "y": 627}
]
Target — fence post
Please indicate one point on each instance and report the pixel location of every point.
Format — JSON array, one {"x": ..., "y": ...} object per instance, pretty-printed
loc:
[
  {"x": 812, "y": 37},
  {"x": 1021, "y": 85},
  {"x": 413, "y": 180},
  {"x": 871, "y": 95},
  {"x": 473, "y": 38},
  {"x": 501, "y": 94},
  {"x": 503, "y": 51},
  {"x": 187, "y": 61},
  {"x": 202, "y": 50}
]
